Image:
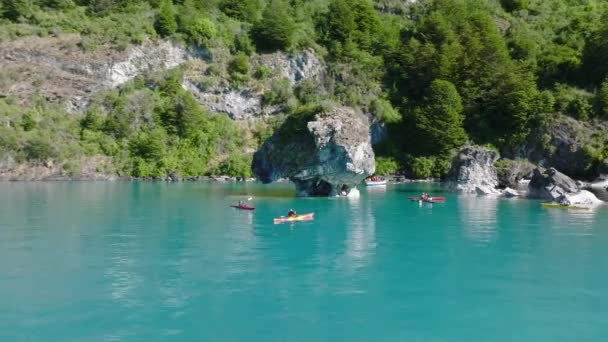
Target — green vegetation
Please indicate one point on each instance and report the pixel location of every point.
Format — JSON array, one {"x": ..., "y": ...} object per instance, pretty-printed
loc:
[{"x": 439, "y": 73}]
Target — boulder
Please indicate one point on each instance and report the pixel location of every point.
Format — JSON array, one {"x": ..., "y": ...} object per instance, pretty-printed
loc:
[
  {"x": 582, "y": 198},
  {"x": 510, "y": 193},
  {"x": 323, "y": 155},
  {"x": 553, "y": 185},
  {"x": 473, "y": 171}
]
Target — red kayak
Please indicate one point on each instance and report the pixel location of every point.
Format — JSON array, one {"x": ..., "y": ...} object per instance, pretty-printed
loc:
[
  {"x": 243, "y": 207},
  {"x": 428, "y": 199}
]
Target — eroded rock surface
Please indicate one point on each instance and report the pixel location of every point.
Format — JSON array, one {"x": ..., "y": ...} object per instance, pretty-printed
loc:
[
  {"x": 473, "y": 171},
  {"x": 326, "y": 156}
]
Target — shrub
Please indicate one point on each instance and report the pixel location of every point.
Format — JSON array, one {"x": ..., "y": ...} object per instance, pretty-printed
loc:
[
  {"x": 386, "y": 166},
  {"x": 309, "y": 91},
  {"x": 197, "y": 30},
  {"x": 384, "y": 111},
  {"x": 150, "y": 147},
  {"x": 422, "y": 167},
  {"x": 239, "y": 64},
  {"x": 237, "y": 165},
  {"x": 39, "y": 148},
  {"x": 242, "y": 43},
  {"x": 279, "y": 94},
  {"x": 261, "y": 72},
  {"x": 443, "y": 164},
  {"x": 573, "y": 101},
  {"x": 27, "y": 122},
  {"x": 92, "y": 120}
]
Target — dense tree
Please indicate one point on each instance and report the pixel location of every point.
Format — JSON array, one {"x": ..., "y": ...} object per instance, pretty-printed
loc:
[
  {"x": 514, "y": 5},
  {"x": 246, "y": 10},
  {"x": 350, "y": 24},
  {"x": 17, "y": 9},
  {"x": 276, "y": 28},
  {"x": 602, "y": 99},
  {"x": 439, "y": 119},
  {"x": 166, "y": 24},
  {"x": 595, "y": 68}
]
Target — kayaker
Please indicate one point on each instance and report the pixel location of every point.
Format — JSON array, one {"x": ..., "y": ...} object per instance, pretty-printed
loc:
[
  {"x": 424, "y": 196},
  {"x": 291, "y": 213},
  {"x": 240, "y": 203}
]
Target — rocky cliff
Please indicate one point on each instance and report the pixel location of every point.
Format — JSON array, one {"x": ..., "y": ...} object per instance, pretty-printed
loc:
[
  {"x": 473, "y": 171},
  {"x": 245, "y": 101},
  {"x": 323, "y": 156},
  {"x": 570, "y": 146},
  {"x": 57, "y": 69}
]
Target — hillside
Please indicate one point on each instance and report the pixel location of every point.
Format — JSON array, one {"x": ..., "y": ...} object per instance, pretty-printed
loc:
[{"x": 175, "y": 89}]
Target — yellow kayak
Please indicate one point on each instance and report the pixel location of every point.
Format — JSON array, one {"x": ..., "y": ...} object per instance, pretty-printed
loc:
[
  {"x": 561, "y": 206},
  {"x": 303, "y": 217}
]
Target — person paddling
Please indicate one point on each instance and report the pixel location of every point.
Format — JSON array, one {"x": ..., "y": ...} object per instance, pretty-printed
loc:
[{"x": 291, "y": 213}]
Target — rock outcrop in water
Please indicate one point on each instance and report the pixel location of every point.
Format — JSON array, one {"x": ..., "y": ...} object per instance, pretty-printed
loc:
[
  {"x": 473, "y": 171},
  {"x": 326, "y": 156},
  {"x": 553, "y": 185}
]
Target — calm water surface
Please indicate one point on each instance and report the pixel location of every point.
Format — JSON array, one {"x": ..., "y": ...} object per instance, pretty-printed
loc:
[{"x": 156, "y": 261}]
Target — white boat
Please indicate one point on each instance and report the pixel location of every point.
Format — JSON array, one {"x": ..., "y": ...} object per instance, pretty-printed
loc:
[{"x": 375, "y": 183}]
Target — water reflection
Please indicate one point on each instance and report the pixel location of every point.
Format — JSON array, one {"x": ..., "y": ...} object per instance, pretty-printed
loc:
[
  {"x": 478, "y": 217},
  {"x": 572, "y": 221},
  {"x": 376, "y": 190},
  {"x": 361, "y": 234}
]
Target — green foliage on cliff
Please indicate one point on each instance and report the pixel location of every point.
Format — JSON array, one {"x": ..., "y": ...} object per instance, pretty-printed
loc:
[
  {"x": 438, "y": 73},
  {"x": 276, "y": 28}
]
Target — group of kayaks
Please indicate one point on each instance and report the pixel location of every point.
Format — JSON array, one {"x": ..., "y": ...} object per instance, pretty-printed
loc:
[
  {"x": 282, "y": 219},
  {"x": 310, "y": 216}
]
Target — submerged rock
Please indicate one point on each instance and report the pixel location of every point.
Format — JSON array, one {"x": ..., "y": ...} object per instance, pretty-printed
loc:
[
  {"x": 324, "y": 157},
  {"x": 473, "y": 171}
]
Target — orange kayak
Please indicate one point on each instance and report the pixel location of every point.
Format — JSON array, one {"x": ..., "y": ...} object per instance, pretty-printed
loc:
[{"x": 304, "y": 217}]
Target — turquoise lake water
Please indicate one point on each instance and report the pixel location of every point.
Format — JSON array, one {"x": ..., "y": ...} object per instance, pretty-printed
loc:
[{"x": 156, "y": 261}]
